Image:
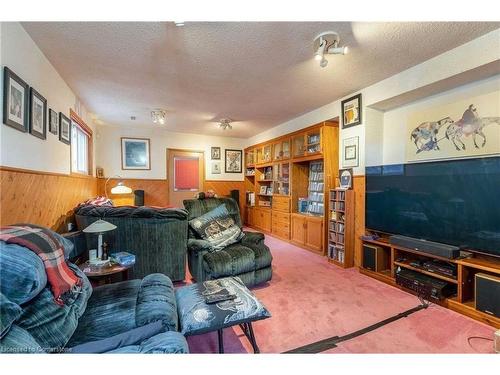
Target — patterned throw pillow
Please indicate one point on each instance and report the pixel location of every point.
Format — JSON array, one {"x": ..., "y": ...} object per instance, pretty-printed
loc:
[{"x": 217, "y": 227}]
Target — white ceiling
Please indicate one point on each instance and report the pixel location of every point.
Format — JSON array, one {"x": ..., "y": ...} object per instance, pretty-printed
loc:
[{"x": 259, "y": 74}]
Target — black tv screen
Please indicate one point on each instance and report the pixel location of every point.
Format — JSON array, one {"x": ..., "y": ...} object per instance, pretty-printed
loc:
[{"x": 454, "y": 202}]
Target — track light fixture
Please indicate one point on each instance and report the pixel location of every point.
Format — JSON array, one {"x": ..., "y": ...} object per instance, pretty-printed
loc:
[
  {"x": 327, "y": 43},
  {"x": 159, "y": 116},
  {"x": 225, "y": 123}
]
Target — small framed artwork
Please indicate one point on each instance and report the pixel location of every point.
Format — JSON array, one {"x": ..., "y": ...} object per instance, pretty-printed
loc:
[
  {"x": 216, "y": 167},
  {"x": 53, "y": 122},
  {"x": 99, "y": 172},
  {"x": 351, "y": 152},
  {"x": 215, "y": 153},
  {"x": 269, "y": 190},
  {"x": 38, "y": 114},
  {"x": 233, "y": 161},
  {"x": 351, "y": 111},
  {"x": 345, "y": 177},
  {"x": 263, "y": 189},
  {"x": 64, "y": 129},
  {"x": 15, "y": 101},
  {"x": 135, "y": 153}
]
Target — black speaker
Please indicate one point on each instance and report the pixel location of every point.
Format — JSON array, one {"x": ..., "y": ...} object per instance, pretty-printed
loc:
[
  {"x": 375, "y": 258},
  {"x": 488, "y": 294},
  {"x": 139, "y": 197},
  {"x": 235, "y": 194}
]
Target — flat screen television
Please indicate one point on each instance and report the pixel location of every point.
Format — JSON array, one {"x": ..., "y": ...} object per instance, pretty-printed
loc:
[{"x": 454, "y": 202}]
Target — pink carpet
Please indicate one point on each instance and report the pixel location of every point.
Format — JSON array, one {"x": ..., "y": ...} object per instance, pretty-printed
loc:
[{"x": 311, "y": 300}]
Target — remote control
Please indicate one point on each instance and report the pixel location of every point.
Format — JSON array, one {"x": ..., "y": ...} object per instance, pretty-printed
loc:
[{"x": 214, "y": 298}]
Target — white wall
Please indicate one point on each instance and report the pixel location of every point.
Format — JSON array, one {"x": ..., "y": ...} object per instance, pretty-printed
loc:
[
  {"x": 476, "y": 53},
  {"x": 23, "y": 150},
  {"x": 108, "y": 149}
]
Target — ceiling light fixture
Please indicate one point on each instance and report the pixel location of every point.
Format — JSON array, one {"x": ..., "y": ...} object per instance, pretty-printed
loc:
[
  {"x": 179, "y": 23},
  {"x": 225, "y": 123},
  {"x": 159, "y": 116},
  {"x": 328, "y": 43}
]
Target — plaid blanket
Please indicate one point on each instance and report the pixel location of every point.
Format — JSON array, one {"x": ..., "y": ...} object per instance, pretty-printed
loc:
[{"x": 62, "y": 280}]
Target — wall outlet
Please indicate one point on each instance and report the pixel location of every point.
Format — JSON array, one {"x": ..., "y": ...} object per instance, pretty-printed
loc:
[
  {"x": 497, "y": 341},
  {"x": 70, "y": 227}
]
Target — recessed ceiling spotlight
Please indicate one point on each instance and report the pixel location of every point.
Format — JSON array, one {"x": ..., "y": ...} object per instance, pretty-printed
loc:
[
  {"x": 328, "y": 43},
  {"x": 225, "y": 123},
  {"x": 179, "y": 23},
  {"x": 159, "y": 116}
]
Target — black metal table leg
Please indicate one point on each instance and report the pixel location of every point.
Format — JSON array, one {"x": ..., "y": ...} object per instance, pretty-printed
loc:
[
  {"x": 248, "y": 331},
  {"x": 221, "y": 341}
]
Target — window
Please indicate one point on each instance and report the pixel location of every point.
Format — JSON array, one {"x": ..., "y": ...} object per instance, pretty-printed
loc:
[{"x": 81, "y": 146}]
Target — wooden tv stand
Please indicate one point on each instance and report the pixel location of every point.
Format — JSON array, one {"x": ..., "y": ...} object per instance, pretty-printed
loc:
[{"x": 464, "y": 301}]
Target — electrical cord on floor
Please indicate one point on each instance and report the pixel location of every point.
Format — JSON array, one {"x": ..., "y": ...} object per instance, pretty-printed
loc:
[{"x": 477, "y": 338}]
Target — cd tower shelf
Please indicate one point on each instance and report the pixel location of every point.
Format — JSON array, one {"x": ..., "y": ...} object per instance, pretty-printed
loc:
[{"x": 341, "y": 228}]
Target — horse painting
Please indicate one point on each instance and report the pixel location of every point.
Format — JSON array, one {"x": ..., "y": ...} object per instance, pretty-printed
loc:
[
  {"x": 425, "y": 135},
  {"x": 469, "y": 124}
]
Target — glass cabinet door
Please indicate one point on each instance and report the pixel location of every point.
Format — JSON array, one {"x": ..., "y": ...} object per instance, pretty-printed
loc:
[
  {"x": 258, "y": 156},
  {"x": 285, "y": 146},
  {"x": 298, "y": 145},
  {"x": 281, "y": 178},
  {"x": 313, "y": 142},
  {"x": 267, "y": 153},
  {"x": 249, "y": 158},
  {"x": 277, "y": 151}
]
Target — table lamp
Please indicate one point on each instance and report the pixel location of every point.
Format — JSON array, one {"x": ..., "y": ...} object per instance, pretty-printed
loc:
[{"x": 99, "y": 227}]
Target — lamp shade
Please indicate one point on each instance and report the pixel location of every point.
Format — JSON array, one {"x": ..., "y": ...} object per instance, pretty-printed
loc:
[
  {"x": 121, "y": 189},
  {"x": 99, "y": 226}
]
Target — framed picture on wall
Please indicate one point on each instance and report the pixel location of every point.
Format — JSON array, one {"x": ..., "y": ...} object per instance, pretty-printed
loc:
[
  {"x": 38, "y": 114},
  {"x": 215, "y": 153},
  {"x": 350, "y": 155},
  {"x": 216, "y": 167},
  {"x": 53, "y": 122},
  {"x": 15, "y": 101},
  {"x": 135, "y": 153},
  {"x": 233, "y": 161},
  {"x": 351, "y": 111},
  {"x": 64, "y": 129}
]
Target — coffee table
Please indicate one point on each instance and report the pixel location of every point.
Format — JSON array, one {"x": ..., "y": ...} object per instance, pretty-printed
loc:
[{"x": 197, "y": 317}]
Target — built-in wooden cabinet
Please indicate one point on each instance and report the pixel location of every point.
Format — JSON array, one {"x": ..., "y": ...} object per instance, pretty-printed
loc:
[
  {"x": 285, "y": 172},
  {"x": 307, "y": 231},
  {"x": 262, "y": 218}
]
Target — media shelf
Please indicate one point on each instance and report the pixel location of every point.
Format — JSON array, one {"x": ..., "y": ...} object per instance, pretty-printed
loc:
[
  {"x": 466, "y": 269},
  {"x": 341, "y": 228}
]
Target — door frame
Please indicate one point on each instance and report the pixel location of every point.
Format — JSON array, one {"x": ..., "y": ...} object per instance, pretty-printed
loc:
[{"x": 169, "y": 151}]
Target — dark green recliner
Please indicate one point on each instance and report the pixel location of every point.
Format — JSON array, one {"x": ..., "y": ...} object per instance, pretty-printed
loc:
[{"x": 250, "y": 259}]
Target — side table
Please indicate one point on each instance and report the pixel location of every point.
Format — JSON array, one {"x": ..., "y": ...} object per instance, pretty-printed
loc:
[{"x": 100, "y": 275}]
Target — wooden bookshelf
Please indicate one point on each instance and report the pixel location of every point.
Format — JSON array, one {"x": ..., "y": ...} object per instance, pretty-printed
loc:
[{"x": 341, "y": 228}]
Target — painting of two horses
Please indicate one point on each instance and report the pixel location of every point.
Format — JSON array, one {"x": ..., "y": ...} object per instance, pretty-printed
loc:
[{"x": 468, "y": 130}]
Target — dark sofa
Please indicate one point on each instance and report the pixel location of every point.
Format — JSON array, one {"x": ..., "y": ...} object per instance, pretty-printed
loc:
[
  {"x": 157, "y": 236},
  {"x": 249, "y": 259}
]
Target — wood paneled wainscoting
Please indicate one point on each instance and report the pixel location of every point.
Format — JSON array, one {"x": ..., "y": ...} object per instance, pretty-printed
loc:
[
  {"x": 42, "y": 198},
  {"x": 155, "y": 191},
  {"x": 223, "y": 188}
]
